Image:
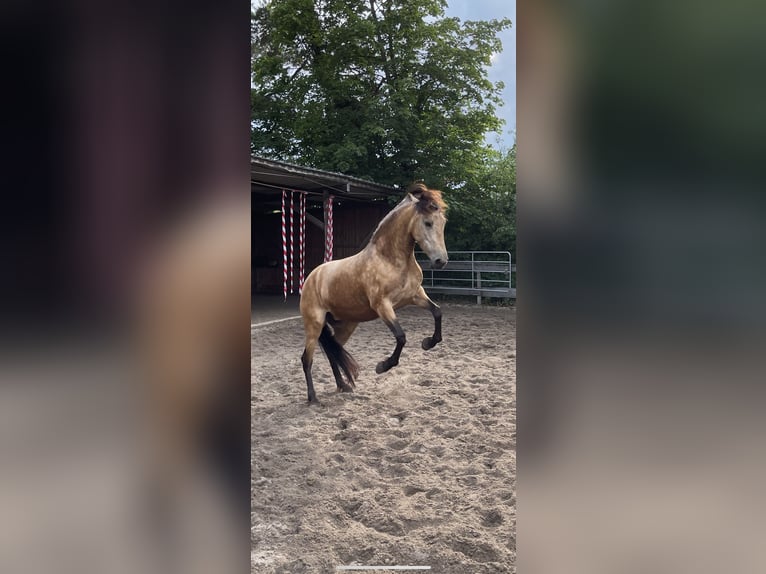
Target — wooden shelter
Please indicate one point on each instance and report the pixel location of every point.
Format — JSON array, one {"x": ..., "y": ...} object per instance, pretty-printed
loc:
[{"x": 358, "y": 206}]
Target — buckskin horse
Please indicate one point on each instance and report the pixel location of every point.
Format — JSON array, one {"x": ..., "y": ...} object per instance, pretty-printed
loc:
[{"x": 383, "y": 277}]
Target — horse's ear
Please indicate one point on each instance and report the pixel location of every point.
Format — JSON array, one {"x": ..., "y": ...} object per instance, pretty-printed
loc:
[{"x": 416, "y": 189}]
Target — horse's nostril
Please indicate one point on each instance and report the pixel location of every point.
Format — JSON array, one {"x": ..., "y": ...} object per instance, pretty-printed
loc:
[{"x": 439, "y": 263}]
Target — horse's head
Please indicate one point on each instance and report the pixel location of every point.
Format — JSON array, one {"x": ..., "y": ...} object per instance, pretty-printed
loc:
[{"x": 428, "y": 225}]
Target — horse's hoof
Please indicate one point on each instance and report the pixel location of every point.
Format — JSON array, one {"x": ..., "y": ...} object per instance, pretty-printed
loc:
[
  {"x": 314, "y": 401},
  {"x": 429, "y": 343},
  {"x": 345, "y": 389},
  {"x": 382, "y": 367}
]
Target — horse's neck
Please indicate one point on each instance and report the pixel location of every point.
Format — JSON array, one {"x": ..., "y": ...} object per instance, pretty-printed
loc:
[{"x": 393, "y": 240}]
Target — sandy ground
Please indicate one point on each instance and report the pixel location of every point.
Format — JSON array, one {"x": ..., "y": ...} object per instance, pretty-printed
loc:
[{"x": 417, "y": 467}]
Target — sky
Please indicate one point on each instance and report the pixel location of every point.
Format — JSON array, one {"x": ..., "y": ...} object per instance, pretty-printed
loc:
[{"x": 504, "y": 64}]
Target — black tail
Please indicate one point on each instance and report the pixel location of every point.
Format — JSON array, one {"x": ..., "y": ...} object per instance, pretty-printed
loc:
[{"x": 338, "y": 355}]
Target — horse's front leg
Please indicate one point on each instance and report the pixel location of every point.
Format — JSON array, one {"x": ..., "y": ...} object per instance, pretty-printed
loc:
[
  {"x": 386, "y": 312},
  {"x": 423, "y": 301}
]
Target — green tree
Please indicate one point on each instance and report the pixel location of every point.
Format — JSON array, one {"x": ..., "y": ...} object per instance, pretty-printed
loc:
[
  {"x": 482, "y": 214},
  {"x": 389, "y": 90}
]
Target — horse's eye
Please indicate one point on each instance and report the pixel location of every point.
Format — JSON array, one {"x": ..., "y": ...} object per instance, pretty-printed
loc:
[{"x": 429, "y": 224}]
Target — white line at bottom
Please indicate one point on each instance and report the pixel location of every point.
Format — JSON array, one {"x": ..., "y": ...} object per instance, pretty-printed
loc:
[
  {"x": 338, "y": 568},
  {"x": 253, "y": 325}
]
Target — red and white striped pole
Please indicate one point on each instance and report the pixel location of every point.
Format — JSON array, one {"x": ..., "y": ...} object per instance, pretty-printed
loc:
[
  {"x": 292, "y": 244},
  {"x": 301, "y": 240},
  {"x": 328, "y": 233},
  {"x": 284, "y": 249}
]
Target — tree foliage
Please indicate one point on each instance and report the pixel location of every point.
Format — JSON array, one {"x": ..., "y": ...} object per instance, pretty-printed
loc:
[
  {"x": 389, "y": 90},
  {"x": 482, "y": 214}
]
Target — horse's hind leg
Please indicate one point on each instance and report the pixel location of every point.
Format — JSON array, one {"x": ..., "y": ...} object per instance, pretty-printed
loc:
[
  {"x": 313, "y": 328},
  {"x": 423, "y": 301},
  {"x": 342, "y": 333},
  {"x": 386, "y": 312},
  {"x": 307, "y": 360},
  {"x": 343, "y": 387}
]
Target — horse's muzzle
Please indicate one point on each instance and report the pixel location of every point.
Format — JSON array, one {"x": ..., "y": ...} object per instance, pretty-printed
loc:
[{"x": 438, "y": 263}]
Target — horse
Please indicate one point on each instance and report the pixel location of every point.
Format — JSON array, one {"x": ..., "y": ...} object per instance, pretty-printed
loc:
[{"x": 374, "y": 283}]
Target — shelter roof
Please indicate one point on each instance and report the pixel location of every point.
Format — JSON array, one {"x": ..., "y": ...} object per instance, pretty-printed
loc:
[{"x": 269, "y": 177}]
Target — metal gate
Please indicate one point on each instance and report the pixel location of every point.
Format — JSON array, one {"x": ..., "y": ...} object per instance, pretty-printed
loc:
[{"x": 479, "y": 273}]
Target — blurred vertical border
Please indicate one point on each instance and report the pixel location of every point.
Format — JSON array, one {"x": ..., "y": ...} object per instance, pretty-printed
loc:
[
  {"x": 124, "y": 358},
  {"x": 641, "y": 280}
]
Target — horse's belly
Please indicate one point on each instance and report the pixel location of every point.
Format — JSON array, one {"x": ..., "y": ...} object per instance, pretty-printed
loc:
[{"x": 351, "y": 313}]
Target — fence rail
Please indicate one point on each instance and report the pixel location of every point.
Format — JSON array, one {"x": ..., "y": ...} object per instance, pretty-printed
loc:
[{"x": 479, "y": 273}]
